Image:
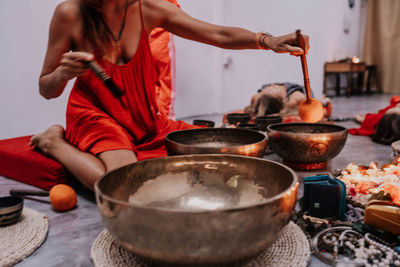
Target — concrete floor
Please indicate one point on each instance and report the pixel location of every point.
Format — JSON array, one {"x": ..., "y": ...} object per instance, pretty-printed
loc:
[{"x": 71, "y": 234}]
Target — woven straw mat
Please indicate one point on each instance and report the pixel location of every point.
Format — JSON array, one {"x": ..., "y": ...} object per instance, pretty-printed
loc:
[
  {"x": 291, "y": 249},
  {"x": 21, "y": 239}
]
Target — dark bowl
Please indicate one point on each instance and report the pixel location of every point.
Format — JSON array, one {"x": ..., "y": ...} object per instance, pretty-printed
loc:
[
  {"x": 250, "y": 126},
  {"x": 265, "y": 121},
  {"x": 216, "y": 141},
  {"x": 196, "y": 210},
  {"x": 10, "y": 209},
  {"x": 236, "y": 118},
  {"x": 207, "y": 123},
  {"x": 306, "y": 142}
]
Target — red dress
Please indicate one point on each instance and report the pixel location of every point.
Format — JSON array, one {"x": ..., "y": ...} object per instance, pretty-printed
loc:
[
  {"x": 371, "y": 120},
  {"x": 97, "y": 121}
]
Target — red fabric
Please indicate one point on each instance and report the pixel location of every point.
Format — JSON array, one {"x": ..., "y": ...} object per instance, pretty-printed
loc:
[
  {"x": 21, "y": 162},
  {"x": 163, "y": 51},
  {"x": 292, "y": 119},
  {"x": 97, "y": 121},
  {"x": 174, "y": 2},
  {"x": 372, "y": 119}
]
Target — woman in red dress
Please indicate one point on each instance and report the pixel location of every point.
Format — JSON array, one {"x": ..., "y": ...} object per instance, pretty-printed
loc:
[{"x": 104, "y": 132}]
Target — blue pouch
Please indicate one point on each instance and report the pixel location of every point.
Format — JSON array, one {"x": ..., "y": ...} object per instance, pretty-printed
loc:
[{"x": 324, "y": 197}]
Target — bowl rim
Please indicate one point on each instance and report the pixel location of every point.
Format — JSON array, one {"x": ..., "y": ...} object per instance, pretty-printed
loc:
[
  {"x": 168, "y": 139},
  {"x": 202, "y": 120},
  {"x": 341, "y": 129},
  {"x": 237, "y": 117},
  {"x": 293, "y": 186},
  {"x": 19, "y": 203},
  {"x": 268, "y": 117},
  {"x": 239, "y": 114}
]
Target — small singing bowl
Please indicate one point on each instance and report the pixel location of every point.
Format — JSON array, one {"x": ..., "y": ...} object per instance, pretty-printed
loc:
[
  {"x": 299, "y": 143},
  {"x": 237, "y": 118},
  {"x": 216, "y": 141},
  {"x": 265, "y": 121},
  {"x": 209, "y": 124},
  {"x": 10, "y": 209}
]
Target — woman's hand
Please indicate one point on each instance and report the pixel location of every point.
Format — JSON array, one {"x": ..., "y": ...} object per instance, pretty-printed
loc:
[
  {"x": 286, "y": 44},
  {"x": 73, "y": 64}
]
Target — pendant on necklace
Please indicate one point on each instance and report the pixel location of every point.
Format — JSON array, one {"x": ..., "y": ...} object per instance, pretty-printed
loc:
[
  {"x": 117, "y": 45},
  {"x": 115, "y": 51}
]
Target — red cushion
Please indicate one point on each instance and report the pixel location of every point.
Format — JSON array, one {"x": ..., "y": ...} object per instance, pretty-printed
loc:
[{"x": 21, "y": 162}]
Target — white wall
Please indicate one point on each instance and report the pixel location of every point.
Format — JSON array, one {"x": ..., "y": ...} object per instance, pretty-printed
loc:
[
  {"x": 24, "y": 26},
  {"x": 203, "y": 85}
]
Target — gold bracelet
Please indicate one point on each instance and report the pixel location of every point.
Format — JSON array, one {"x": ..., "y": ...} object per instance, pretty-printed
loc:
[{"x": 260, "y": 37}]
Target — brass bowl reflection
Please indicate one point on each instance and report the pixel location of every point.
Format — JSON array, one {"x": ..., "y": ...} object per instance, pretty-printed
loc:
[
  {"x": 197, "y": 209},
  {"x": 306, "y": 142}
]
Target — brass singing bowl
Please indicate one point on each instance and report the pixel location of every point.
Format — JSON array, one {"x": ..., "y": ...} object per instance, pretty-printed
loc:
[
  {"x": 306, "y": 142},
  {"x": 197, "y": 209},
  {"x": 216, "y": 141}
]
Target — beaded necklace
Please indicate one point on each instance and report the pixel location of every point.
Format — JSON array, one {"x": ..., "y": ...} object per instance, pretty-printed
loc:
[{"x": 116, "y": 45}]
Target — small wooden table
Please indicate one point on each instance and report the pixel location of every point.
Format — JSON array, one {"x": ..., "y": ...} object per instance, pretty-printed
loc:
[{"x": 348, "y": 68}]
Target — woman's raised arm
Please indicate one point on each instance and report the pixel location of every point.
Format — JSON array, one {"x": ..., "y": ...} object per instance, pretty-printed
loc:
[{"x": 176, "y": 21}]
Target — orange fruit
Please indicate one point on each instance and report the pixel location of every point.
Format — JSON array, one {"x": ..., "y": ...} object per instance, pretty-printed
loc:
[
  {"x": 311, "y": 112},
  {"x": 62, "y": 197}
]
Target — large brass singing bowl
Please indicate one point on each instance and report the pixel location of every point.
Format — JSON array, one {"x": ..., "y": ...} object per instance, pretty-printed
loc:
[
  {"x": 197, "y": 209},
  {"x": 306, "y": 142},
  {"x": 216, "y": 141}
]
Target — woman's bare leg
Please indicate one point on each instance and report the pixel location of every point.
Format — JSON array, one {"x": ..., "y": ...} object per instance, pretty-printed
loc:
[{"x": 86, "y": 167}]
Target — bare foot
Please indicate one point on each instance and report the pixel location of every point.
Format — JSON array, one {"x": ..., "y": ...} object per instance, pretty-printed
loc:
[
  {"x": 48, "y": 140},
  {"x": 359, "y": 118}
]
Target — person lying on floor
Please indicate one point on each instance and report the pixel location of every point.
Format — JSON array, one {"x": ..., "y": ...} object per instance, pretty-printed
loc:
[
  {"x": 388, "y": 129},
  {"x": 384, "y": 126},
  {"x": 276, "y": 98},
  {"x": 104, "y": 132},
  {"x": 282, "y": 99}
]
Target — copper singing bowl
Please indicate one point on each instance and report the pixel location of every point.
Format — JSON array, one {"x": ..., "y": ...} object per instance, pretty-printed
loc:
[
  {"x": 216, "y": 141},
  {"x": 306, "y": 142},
  {"x": 197, "y": 209}
]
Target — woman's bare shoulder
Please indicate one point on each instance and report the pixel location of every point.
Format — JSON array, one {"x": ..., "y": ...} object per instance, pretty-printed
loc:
[
  {"x": 157, "y": 6},
  {"x": 155, "y": 12},
  {"x": 149, "y": 3},
  {"x": 67, "y": 11}
]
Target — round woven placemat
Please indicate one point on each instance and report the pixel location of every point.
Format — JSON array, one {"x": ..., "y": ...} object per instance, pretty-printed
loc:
[
  {"x": 291, "y": 249},
  {"x": 20, "y": 239}
]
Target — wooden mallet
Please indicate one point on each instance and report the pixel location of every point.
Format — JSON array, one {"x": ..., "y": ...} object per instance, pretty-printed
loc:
[{"x": 311, "y": 110}]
